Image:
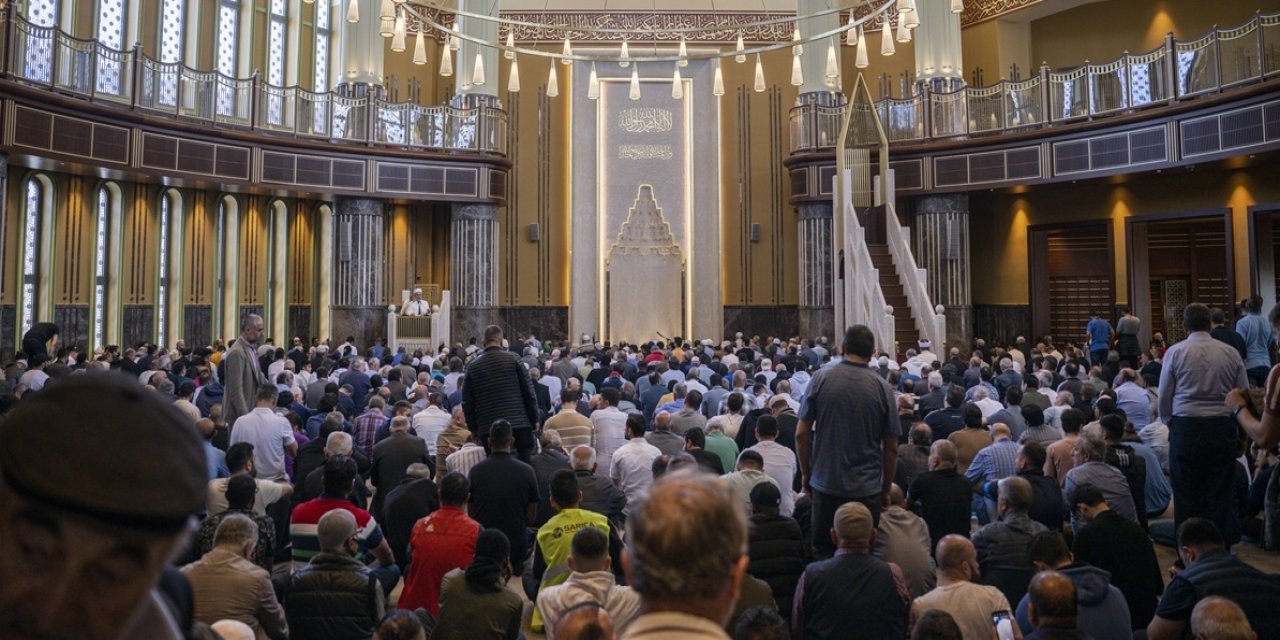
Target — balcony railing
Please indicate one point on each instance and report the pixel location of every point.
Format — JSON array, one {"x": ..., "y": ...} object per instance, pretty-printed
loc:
[
  {"x": 1218, "y": 60},
  {"x": 50, "y": 58}
]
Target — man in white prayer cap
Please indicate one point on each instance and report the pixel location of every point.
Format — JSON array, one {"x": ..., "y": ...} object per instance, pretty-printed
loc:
[{"x": 415, "y": 305}]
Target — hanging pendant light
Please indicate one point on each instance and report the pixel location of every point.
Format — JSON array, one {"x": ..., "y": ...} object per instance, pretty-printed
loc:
[
  {"x": 677, "y": 85},
  {"x": 759, "y": 83},
  {"x": 566, "y": 52},
  {"x": 862, "y": 61},
  {"x": 717, "y": 83},
  {"x": 886, "y": 38},
  {"x": 798, "y": 49},
  {"x": 851, "y": 35},
  {"x": 388, "y": 10},
  {"x": 911, "y": 6},
  {"x": 386, "y": 27},
  {"x": 513, "y": 80},
  {"x": 353, "y": 11},
  {"x": 913, "y": 19},
  {"x": 635, "y": 83},
  {"x": 625, "y": 55},
  {"x": 797, "y": 71},
  {"x": 957, "y": 6},
  {"x": 684, "y": 54},
  {"x": 454, "y": 41},
  {"x": 741, "y": 57},
  {"x": 553, "y": 85},
  {"x": 593, "y": 84},
  {"x": 397, "y": 41},
  {"x": 446, "y": 62},
  {"x": 419, "y": 48},
  {"x": 477, "y": 74},
  {"x": 511, "y": 44},
  {"x": 904, "y": 34},
  {"x": 833, "y": 64}
]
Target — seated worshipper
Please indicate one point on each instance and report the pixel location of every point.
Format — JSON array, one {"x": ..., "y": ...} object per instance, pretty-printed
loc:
[
  {"x": 1091, "y": 468},
  {"x": 467, "y": 456},
  {"x": 227, "y": 585},
  {"x": 453, "y": 438},
  {"x": 1060, "y": 456},
  {"x": 942, "y": 496},
  {"x": 722, "y": 445},
  {"x": 504, "y": 493},
  {"x": 1211, "y": 570},
  {"x": 550, "y": 459},
  {"x": 410, "y": 501},
  {"x": 391, "y": 458},
  {"x": 415, "y": 305},
  {"x": 936, "y": 624},
  {"x": 1217, "y": 618},
  {"x": 1002, "y": 545},
  {"x": 551, "y": 554},
  {"x": 1103, "y": 610},
  {"x": 776, "y": 546},
  {"x": 780, "y": 462},
  {"x": 853, "y": 590},
  {"x": 240, "y": 462},
  {"x": 1047, "y": 505},
  {"x": 1037, "y": 431},
  {"x": 339, "y": 476},
  {"x": 440, "y": 543},
  {"x": 668, "y": 442},
  {"x": 748, "y": 473},
  {"x": 992, "y": 463},
  {"x": 631, "y": 466},
  {"x": 1053, "y": 609},
  {"x": 949, "y": 419},
  {"x": 400, "y": 625},
  {"x": 913, "y": 457},
  {"x": 475, "y": 603},
  {"x": 240, "y": 496},
  {"x": 694, "y": 444},
  {"x": 599, "y": 494},
  {"x": 971, "y": 604},
  {"x": 973, "y": 438},
  {"x": 335, "y": 596},
  {"x": 1117, "y": 545},
  {"x": 590, "y": 580},
  {"x": 233, "y": 630},
  {"x": 337, "y": 444},
  {"x": 586, "y": 621},
  {"x": 760, "y": 623},
  {"x": 86, "y": 543},
  {"x": 903, "y": 539}
]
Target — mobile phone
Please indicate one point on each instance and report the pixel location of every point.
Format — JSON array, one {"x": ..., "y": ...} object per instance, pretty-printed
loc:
[{"x": 1003, "y": 621}]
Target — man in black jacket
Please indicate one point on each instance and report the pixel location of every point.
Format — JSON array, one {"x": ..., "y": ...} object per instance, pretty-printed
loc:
[
  {"x": 415, "y": 498},
  {"x": 391, "y": 458},
  {"x": 775, "y": 545},
  {"x": 335, "y": 595},
  {"x": 498, "y": 388}
]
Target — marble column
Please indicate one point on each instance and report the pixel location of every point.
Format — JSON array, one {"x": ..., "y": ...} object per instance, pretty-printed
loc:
[
  {"x": 473, "y": 256},
  {"x": 817, "y": 313},
  {"x": 942, "y": 249},
  {"x": 359, "y": 308}
]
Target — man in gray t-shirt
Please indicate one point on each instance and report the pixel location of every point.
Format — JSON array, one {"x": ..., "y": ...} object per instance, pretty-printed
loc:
[{"x": 847, "y": 437}]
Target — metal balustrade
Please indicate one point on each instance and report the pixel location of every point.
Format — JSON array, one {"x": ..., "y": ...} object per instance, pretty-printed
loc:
[
  {"x": 1177, "y": 70},
  {"x": 50, "y": 58}
]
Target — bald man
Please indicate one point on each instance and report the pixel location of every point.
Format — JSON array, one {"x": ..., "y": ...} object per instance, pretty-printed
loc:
[
  {"x": 1053, "y": 608},
  {"x": 1217, "y": 618},
  {"x": 970, "y": 604},
  {"x": 586, "y": 621}
]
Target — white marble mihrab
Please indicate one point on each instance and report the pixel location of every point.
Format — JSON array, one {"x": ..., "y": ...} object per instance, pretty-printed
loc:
[{"x": 646, "y": 275}]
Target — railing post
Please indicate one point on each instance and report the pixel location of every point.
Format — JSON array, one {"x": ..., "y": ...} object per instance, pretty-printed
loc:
[
  {"x": 926, "y": 105},
  {"x": 1217, "y": 59},
  {"x": 93, "y": 70},
  {"x": 1171, "y": 65},
  {"x": 135, "y": 79},
  {"x": 1262, "y": 65},
  {"x": 53, "y": 57},
  {"x": 255, "y": 100},
  {"x": 1127, "y": 98},
  {"x": 1046, "y": 96},
  {"x": 10, "y": 37}
]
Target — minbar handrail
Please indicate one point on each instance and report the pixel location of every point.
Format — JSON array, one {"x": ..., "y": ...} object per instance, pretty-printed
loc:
[
  {"x": 1177, "y": 70},
  {"x": 53, "y": 59}
]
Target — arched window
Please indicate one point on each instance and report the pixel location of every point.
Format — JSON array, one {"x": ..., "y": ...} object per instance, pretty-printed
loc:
[
  {"x": 37, "y": 63},
  {"x": 37, "y": 197},
  {"x": 111, "y": 31},
  {"x": 228, "y": 53},
  {"x": 172, "y": 31},
  {"x": 276, "y": 59},
  {"x": 168, "y": 208},
  {"x": 324, "y": 33},
  {"x": 108, "y": 208}
]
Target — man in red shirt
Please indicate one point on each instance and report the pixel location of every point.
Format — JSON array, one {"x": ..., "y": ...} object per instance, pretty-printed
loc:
[{"x": 440, "y": 543}]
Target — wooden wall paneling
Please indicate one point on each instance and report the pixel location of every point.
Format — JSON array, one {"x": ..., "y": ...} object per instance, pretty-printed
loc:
[
  {"x": 10, "y": 178},
  {"x": 301, "y": 254},
  {"x": 73, "y": 241},
  {"x": 199, "y": 243},
  {"x": 253, "y": 253},
  {"x": 141, "y": 244},
  {"x": 402, "y": 253},
  {"x": 138, "y": 322}
]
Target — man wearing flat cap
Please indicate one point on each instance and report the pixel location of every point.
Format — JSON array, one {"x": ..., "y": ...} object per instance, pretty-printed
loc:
[
  {"x": 415, "y": 305},
  {"x": 86, "y": 534}
]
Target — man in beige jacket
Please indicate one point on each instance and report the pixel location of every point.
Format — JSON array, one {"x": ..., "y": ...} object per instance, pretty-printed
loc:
[{"x": 227, "y": 584}]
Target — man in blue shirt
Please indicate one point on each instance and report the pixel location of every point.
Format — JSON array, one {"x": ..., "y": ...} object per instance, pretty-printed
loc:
[
  {"x": 1258, "y": 339},
  {"x": 1099, "y": 331}
]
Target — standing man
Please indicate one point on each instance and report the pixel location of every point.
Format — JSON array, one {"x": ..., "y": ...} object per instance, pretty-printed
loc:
[
  {"x": 271, "y": 435},
  {"x": 1258, "y": 339},
  {"x": 498, "y": 387},
  {"x": 1127, "y": 328},
  {"x": 847, "y": 438},
  {"x": 242, "y": 374},
  {"x": 1099, "y": 333},
  {"x": 415, "y": 305},
  {"x": 1198, "y": 373}
]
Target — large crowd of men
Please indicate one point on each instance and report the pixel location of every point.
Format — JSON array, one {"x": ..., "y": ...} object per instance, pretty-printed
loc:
[{"x": 753, "y": 488}]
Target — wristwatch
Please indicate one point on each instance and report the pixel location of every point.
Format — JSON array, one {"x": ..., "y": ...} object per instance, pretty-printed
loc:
[{"x": 1236, "y": 413}]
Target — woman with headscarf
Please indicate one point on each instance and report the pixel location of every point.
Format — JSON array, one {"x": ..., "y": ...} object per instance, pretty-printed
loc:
[{"x": 475, "y": 603}]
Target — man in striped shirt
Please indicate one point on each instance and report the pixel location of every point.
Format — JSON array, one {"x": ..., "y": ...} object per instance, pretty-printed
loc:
[
  {"x": 574, "y": 428},
  {"x": 339, "y": 478}
]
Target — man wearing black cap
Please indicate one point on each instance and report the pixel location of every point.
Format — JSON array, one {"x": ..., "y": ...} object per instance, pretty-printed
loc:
[{"x": 101, "y": 537}]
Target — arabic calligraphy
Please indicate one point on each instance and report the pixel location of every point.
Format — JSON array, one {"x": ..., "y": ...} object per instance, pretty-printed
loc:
[
  {"x": 645, "y": 120},
  {"x": 645, "y": 152}
]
